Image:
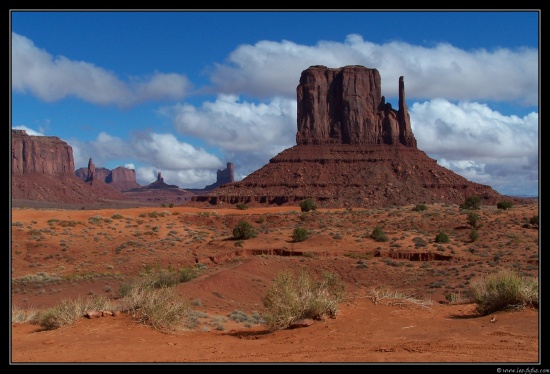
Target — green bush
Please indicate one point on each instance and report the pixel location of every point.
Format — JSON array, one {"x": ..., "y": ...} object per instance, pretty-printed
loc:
[
  {"x": 442, "y": 237},
  {"x": 534, "y": 220},
  {"x": 504, "y": 290},
  {"x": 474, "y": 235},
  {"x": 299, "y": 234},
  {"x": 244, "y": 230},
  {"x": 308, "y": 205},
  {"x": 241, "y": 206},
  {"x": 471, "y": 203},
  {"x": 292, "y": 297},
  {"x": 420, "y": 207},
  {"x": 379, "y": 235},
  {"x": 504, "y": 205},
  {"x": 473, "y": 219}
]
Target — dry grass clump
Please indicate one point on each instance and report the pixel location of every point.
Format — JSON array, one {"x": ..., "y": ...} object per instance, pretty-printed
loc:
[
  {"x": 292, "y": 297},
  {"x": 398, "y": 298},
  {"x": 504, "y": 289},
  {"x": 69, "y": 311}
]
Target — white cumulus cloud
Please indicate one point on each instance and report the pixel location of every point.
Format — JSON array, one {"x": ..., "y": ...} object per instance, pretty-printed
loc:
[
  {"x": 478, "y": 143},
  {"x": 35, "y": 71},
  {"x": 270, "y": 68}
]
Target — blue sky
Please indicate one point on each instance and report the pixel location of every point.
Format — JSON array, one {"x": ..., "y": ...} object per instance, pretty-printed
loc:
[{"x": 185, "y": 92}]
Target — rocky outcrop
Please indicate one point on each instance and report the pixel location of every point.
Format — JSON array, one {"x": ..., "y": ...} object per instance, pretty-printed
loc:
[
  {"x": 42, "y": 169},
  {"x": 120, "y": 178},
  {"x": 346, "y": 106},
  {"x": 159, "y": 192},
  {"x": 352, "y": 149},
  {"x": 40, "y": 154},
  {"x": 224, "y": 176}
]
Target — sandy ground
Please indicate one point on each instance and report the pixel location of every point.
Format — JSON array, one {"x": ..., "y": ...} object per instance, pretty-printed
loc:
[{"x": 58, "y": 254}]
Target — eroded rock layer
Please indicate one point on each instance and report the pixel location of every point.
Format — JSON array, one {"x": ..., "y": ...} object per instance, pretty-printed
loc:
[
  {"x": 40, "y": 154},
  {"x": 374, "y": 175}
]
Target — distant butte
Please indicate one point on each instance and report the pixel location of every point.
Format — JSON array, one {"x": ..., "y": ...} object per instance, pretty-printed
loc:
[{"x": 352, "y": 149}]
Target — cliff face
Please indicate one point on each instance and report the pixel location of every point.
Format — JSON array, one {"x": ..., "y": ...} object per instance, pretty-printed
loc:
[
  {"x": 224, "y": 176},
  {"x": 42, "y": 169},
  {"x": 346, "y": 106},
  {"x": 120, "y": 178},
  {"x": 352, "y": 149},
  {"x": 40, "y": 154}
]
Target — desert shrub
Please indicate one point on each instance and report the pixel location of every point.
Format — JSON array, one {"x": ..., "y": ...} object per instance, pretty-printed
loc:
[
  {"x": 171, "y": 205},
  {"x": 117, "y": 216},
  {"x": 419, "y": 242},
  {"x": 473, "y": 219},
  {"x": 156, "y": 278},
  {"x": 162, "y": 308},
  {"x": 299, "y": 234},
  {"x": 504, "y": 290},
  {"x": 473, "y": 235},
  {"x": 308, "y": 205},
  {"x": 442, "y": 237},
  {"x": 244, "y": 230},
  {"x": 504, "y": 205},
  {"x": 241, "y": 206},
  {"x": 471, "y": 203},
  {"x": 534, "y": 220},
  {"x": 297, "y": 296},
  {"x": 69, "y": 311},
  {"x": 420, "y": 207},
  {"x": 23, "y": 315},
  {"x": 95, "y": 220},
  {"x": 379, "y": 235},
  {"x": 456, "y": 297}
]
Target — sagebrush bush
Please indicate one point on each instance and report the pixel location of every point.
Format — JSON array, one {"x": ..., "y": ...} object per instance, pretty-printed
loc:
[
  {"x": 473, "y": 219},
  {"x": 504, "y": 205},
  {"x": 471, "y": 203},
  {"x": 308, "y": 205},
  {"x": 379, "y": 235},
  {"x": 241, "y": 206},
  {"x": 442, "y": 237},
  {"x": 299, "y": 234},
  {"x": 504, "y": 289},
  {"x": 160, "y": 308},
  {"x": 297, "y": 296},
  {"x": 473, "y": 235},
  {"x": 420, "y": 208},
  {"x": 244, "y": 230}
]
